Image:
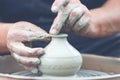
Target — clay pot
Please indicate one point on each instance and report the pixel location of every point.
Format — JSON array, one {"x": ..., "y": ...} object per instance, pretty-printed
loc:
[{"x": 60, "y": 58}]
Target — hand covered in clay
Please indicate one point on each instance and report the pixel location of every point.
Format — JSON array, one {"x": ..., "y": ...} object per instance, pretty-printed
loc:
[
  {"x": 72, "y": 16},
  {"x": 20, "y": 33}
]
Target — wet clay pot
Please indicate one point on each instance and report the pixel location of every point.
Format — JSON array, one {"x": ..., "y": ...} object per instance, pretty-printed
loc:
[{"x": 60, "y": 58}]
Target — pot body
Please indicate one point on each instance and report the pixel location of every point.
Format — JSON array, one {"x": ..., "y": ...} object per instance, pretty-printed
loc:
[{"x": 60, "y": 58}]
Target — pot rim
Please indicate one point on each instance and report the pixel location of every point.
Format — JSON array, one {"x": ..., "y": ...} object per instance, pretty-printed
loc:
[{"x": 63, "y": 35}]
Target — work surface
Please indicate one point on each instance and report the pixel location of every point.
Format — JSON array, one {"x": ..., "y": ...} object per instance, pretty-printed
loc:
[{"x": 90, "y": 62}]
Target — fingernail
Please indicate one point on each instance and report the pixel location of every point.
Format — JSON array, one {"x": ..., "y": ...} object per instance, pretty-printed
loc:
[
  {"x": 34, "y": 70},
  {"x": 53, "y": 31},
  {"x": 41, "y": 51},
  {"x": 54, "y": 9},
  {"x": 36, "y": 61}
]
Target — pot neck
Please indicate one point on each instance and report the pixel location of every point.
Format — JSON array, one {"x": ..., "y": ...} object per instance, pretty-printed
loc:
[{"x": 59, "y": 38}]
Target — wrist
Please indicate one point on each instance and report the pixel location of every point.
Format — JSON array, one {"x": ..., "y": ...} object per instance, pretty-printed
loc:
[
  {"x": 4, "y": 28},
  {"x": 107, "y": 17},
  {"x": 103, "y": 21},
  {"x": 98, "y": 17}
]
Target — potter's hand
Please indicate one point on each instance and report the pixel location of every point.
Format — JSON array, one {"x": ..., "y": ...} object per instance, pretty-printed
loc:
[
  {"x": 73, "y": 15},
  {"x": 20, "y": 33}
]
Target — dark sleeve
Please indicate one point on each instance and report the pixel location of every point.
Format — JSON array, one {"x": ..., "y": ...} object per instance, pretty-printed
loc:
[{"x": 93, "y": 3}]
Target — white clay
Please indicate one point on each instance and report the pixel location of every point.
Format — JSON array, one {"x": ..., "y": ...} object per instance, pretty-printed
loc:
[{"x": 60, "y": 58}]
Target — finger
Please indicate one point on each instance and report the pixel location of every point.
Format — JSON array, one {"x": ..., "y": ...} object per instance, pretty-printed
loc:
[
  {"x": 75, "y": 15},
  {"x": 61, "y": 19},
  {"x": 22, "y": 50},
  {"x": 39, "y": 37},
  {"x": 57, "y": 24},
  {"x": 58, "y": 4},
  {"x": 27, "y": 61},
  {"x": 35, "y": 70},
  {"x": 32, "y": 35},
  {"x": 23, "y": 31},
  {"x": 82, "y": 24},
  {"x": 36, "y": 33}
]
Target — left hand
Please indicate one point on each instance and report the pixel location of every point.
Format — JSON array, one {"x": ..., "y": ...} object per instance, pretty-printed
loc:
[{"x": 20, "y": 33}]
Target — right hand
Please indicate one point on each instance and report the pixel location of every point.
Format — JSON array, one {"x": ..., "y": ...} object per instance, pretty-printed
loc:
[
  {"x": 72, "y": 16},
  {"x": 20, "y": 33},
  {"x": 75, "y": 17}
]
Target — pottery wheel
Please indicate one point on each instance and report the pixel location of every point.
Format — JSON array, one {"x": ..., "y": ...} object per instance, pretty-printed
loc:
[{"x": 81, "y": 73}]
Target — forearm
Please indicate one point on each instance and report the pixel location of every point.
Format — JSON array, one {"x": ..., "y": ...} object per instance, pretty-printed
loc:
[
  {"x": 4, "y": 27},
  {"x": 107, "y": 18}
]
